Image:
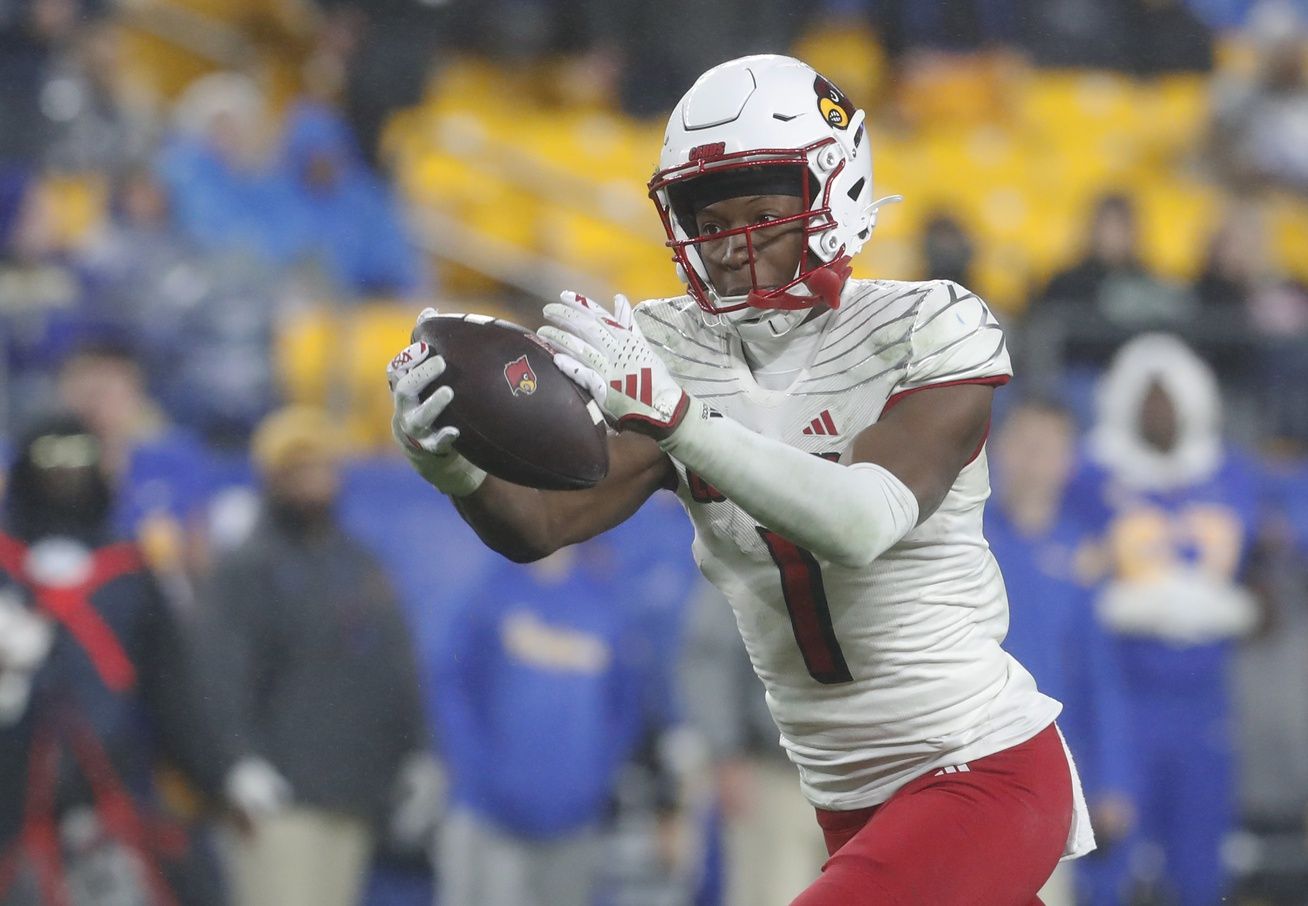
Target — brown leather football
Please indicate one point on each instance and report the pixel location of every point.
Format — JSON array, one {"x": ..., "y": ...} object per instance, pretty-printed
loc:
[{"x": 518, "y": 416}]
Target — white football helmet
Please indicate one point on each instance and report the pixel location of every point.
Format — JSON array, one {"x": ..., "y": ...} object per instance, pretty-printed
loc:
[{"x": 770, "y": 111}]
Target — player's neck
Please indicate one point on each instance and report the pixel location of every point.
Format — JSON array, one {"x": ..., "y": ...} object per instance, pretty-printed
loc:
[{"x": 775, "y": 361}]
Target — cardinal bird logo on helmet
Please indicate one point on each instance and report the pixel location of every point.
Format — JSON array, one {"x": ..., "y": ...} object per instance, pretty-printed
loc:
[
  {"x": 835, "y": 108},
  {"x": 520, "y": 376}
]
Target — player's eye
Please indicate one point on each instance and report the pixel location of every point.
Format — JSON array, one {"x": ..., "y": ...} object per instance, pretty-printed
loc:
[
  {"x": 766, "y": 218},
  {"x": 709, "y": 229}
]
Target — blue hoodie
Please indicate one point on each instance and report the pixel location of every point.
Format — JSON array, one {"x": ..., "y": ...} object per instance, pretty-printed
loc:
[
  {"x": 355, "y": 226},
  {"x": 541, "y": 693},
  {"x": 1054, "y": 634}
]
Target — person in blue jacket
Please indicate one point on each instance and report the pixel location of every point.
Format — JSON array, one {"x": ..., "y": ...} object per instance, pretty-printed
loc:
[
  {"x": 1042, "y": 539},
  {"x": 1178, "y": 508},
  {"x": 542, "y": 695},
  {"x": 355, "y": 226}
]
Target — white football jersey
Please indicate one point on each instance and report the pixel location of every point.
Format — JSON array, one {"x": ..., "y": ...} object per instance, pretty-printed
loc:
[{"x": 874, "y": 676}]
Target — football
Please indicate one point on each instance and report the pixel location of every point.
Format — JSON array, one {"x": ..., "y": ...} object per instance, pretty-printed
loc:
[{"x": 518, "y": 416}]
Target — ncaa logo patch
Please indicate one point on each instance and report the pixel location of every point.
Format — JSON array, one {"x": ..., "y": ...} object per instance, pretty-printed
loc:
[{"x": 520, "y": 377}]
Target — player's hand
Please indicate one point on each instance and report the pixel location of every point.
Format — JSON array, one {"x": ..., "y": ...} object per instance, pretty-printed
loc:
[
  {"x": 429, "y": 449},
  {"x": 608, "y": 357}
]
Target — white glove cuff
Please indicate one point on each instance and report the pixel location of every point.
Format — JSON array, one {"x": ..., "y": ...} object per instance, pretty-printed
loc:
[
  {"x": 449, "y": 473},
  {"x": 849, "y": 515}
]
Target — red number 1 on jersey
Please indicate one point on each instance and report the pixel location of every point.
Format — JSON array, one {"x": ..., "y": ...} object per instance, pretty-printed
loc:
[{"x": 810, "y": 615}]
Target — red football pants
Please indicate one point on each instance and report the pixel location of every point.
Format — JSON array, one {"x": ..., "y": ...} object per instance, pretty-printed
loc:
[{"x": 987, "y": 835}]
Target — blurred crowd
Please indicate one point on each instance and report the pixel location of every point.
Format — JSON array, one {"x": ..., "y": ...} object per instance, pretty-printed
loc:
[{"x": 247, "y": 658}]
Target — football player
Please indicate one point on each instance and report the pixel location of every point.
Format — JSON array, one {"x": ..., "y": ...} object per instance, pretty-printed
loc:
[{"x": 826, "y": 436}]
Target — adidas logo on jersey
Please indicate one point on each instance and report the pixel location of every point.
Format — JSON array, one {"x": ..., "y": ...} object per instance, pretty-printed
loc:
[{"x": 822, "y": 425}]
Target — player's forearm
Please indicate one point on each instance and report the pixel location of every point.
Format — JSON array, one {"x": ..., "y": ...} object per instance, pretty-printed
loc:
[
  {"x": 849, "y": 515},
  {"x": 525, "y": 524},
  {"x": 510, "y": 519}
]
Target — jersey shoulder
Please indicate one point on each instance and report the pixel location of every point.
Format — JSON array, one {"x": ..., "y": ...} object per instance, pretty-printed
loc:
[
  {"x": 679, "y": 312},
  {"x": 697, "y": 355},
  {"x": 954, "y": 338}
]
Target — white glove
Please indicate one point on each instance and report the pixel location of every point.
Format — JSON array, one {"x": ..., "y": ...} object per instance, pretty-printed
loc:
[
  {"x": 430, "y": 450},
  {"x": 256, "y": 789},
  {"x": 606, "y": 355}
]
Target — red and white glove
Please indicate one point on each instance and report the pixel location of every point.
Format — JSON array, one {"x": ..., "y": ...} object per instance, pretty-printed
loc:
[
  {"x": 606, "y": 355},
  {"x": 430, "y": 450}
]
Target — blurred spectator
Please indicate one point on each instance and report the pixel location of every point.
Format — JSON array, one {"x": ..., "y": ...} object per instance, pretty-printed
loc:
[
  {"x": 541, "y": 696},
  {"x": 382, "y": 52},
  {"x": 219, "y": 170},
  {"x": 96, "y": 685},
  {"x": 1259, "y": 132},
  {"x": 1271, "y": 673},
  {"x": 1112, "y": 251},
  {"x": 1178, "y": 509},
  {"x": 1041, "y": 539},
  {"x": 34, "y": 36},
  {"x": 311, "y": 647},
  {"x": 100, "y": 120},
  {"x": 138, "y": 227},
  {"x": 654, "y": 72},
  {"x": 1239, "y": 285},
  {"x": 1241, "y": 294},
  {"x": 773, "y": 848},
  {"x": 355, "y": 226},
  {"x": 1110, "y": 280},
  {"x": 159, "y": 471},
  {"x": 1235, "y": 267},
  {"x": 136, "y": 257},
  {"x": 947, "y": 250},
  {"x": 43, "y": 299},
  {"x": 168, "y": 293}
]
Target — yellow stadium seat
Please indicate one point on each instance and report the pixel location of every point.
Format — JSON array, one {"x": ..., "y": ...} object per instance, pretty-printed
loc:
[
  {"x": 1002, "y": 276},
  {"x": 307, "y": 350},
  {"x": 954, "y": 91},
  {"x": 373, "y": 333},
  {"x": 166, "y": 66},
  {"x": 1176, "y": 218},
  {"x": 1288, "y": 223},
  {"x": 1071, "y": 108},
  {"x": 77, "y": 204},
  {"x": 1175, "y": 117}
]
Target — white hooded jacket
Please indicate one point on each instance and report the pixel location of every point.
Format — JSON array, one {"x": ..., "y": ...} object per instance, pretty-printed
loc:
[{"x": 1180, "y": 602}]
